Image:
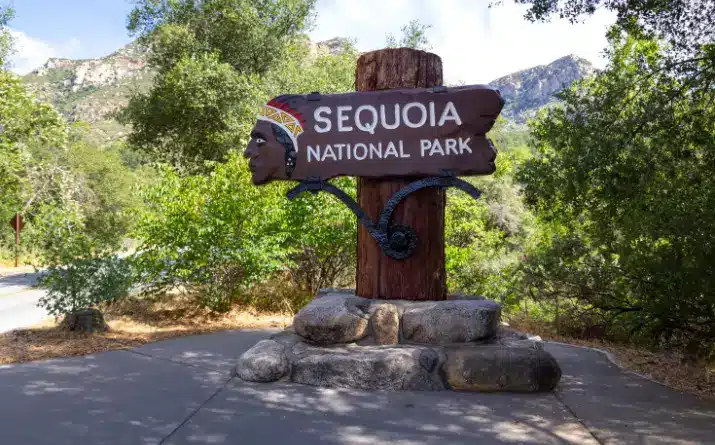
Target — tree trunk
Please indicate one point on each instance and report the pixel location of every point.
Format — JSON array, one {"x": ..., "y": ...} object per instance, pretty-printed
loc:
[{"x": 422, "y": 275}]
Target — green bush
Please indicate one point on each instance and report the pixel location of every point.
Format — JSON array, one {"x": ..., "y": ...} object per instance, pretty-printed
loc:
[
  {"x": 624, "y": 182},
  {"x": 81, "y": 271},
  {"x": 322, "y": 240},
  {"x": 217, "y": 234},
  {"x": 84, "y": 283},
  {"x": 485, "y": 238}
]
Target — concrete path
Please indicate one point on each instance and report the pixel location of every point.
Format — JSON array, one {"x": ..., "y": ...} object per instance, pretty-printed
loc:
[
  {"x": 18, "y": 301},
  {"x": 181, "y": 392}
]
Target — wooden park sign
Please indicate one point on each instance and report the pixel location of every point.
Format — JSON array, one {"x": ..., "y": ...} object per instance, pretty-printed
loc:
[
  {"x": 393, "y": 133},
  {"x": 406, "y": 138}
]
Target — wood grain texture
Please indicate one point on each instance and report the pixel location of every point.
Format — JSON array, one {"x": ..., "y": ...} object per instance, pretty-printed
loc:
[{"x": 422, "y": 276}]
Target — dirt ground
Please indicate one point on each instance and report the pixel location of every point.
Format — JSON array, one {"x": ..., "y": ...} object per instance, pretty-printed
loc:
[
  {"x": 136, "y": 322},
  {"x": 666, "y": 367},
  {"x": 132, "y": 323}
]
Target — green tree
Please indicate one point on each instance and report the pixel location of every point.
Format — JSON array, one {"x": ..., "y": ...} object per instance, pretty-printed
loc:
[
  {"x": 112, "y": 200},
  {"x": 485, "y": 238},
  {"x": 414, "y": 35},
  {"x": 26, "y": 127},
  {"x": 307, "y": 68},
  {"x": 686, "y": 25},
  {"x": 81, "y": 271},
  {"x": 216, "y": 234},
  {"x": 46, "y": 166},
  {"x": 198, "y": 110},
  {"x": 6, "y": 43},
  {"x": 212, "y": 57},
  {"x": 624, "y": 174},
  {"x": 249, "y": 35}
]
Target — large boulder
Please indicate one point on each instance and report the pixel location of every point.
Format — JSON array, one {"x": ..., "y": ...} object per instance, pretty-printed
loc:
[
  {"x": 369, "y": 368},
  {"x": 501, "y": 368},
  {"x": 444, "y": 322},
  {"x": 266, "y": 361},
  {"x": 332, "y": 319}
]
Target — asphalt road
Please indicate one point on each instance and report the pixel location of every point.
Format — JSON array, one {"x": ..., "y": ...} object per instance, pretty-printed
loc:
[
  {"x": 181, "y": 391},
  {"x": 18, "y": 301}
]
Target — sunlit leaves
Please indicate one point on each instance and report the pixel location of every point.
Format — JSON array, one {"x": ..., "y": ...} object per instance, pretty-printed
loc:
[{"x": 625, "y": 167}]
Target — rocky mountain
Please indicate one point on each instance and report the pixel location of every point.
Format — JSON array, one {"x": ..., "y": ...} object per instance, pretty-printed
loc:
[
  {"x": 90, "y": 90},
  {"x": 528, "y": 90}
]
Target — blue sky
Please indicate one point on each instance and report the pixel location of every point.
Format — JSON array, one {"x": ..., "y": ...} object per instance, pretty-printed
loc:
[
  {"x": 476, "y": 43},
  {"x": 78, "y": 28}
]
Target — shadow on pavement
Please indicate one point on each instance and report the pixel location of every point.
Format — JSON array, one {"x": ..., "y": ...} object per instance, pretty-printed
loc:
[
  {"x": 217, "y": 351},
  {"x": 112, "y": 398},
  {"x": 20, "y": 279},
  {"x": 287, "y": 413},
  {"x": 620, "y": 407},
  {"x": 178, "y": 389}
]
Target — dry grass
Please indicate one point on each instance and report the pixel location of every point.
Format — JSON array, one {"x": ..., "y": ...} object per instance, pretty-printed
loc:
[
  {"x": 10, "y": 269},
  {"x": 666, "y": 367},
  {"x": 132, "y": 323}
]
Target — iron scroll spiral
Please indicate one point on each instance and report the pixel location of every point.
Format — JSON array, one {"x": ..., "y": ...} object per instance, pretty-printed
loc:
[{"x": 397, "y": 241}]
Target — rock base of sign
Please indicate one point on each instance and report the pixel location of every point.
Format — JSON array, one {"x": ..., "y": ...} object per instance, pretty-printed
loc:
[{"x": 343, "y": 341}]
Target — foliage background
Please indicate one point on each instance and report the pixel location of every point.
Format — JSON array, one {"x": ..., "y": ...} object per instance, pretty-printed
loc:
[{"x": 599, "y": 219}]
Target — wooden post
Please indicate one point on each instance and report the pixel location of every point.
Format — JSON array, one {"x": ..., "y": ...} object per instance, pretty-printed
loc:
[
  {"x": 421, "y": 276},
  {"x": 17, "y": 239}
]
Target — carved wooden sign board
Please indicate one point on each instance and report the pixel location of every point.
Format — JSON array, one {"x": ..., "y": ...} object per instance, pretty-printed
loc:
[{"x": 390, "y": 133}]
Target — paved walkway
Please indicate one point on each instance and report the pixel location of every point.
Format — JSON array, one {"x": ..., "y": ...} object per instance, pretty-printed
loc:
[
  {"x": 18, "y": 300},
  {"x": 180, "y": 391}
]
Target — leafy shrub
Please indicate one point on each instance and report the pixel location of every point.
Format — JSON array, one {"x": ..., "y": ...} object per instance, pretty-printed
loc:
[
  {"x": 322, "y": 240},
  {"x": 80, "y": 270},
  {"x": 218, "y": 235},
  {"x": 625, "y": 176},
  {"x": 84, "y": 283},
  {"x": 485, "y": 238},
  {"x": 215, "y": 234}
]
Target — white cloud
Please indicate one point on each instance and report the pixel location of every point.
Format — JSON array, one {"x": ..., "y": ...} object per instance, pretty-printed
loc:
[
  {"x": 31, "y": 53},
  {"x": 477, "y": 43}
]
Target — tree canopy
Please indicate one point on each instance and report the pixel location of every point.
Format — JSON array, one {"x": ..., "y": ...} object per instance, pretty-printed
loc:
[
  {"x": 6, "y": 48},
  {"x": 624, "y": 176},
  {"x": 414, "y": 35},
  {"x": 685, "y": 24},
  {"x": 248, "y": 35},
  {"x": 217, "y": 61}
]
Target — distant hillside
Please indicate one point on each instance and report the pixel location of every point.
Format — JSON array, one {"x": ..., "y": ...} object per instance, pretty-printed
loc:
[
  {"x": 528, "y": 90},
  {"x": 87, "y": 90}
]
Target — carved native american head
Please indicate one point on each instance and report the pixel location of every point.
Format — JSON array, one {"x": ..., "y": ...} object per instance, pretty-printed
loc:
[{"x": 273, "y": 148}]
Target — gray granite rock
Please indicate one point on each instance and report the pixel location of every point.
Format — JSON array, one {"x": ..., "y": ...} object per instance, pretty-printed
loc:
[
  {"x": 370, "y": 368},
  {"x": 325, "y": 291},
  {"x": 517, "y": 343},
  {"x": 445, "y": 322},
  {"x": 333, "y": 319},
  {"x": 504, "y": 331},
  {"x": 501, "y": 368},
  {"x": 287, "y": 337},
  {"x": 463, "y": 296},
  {"x": 385, "y": 322},
  {"x": 264, "y": 362}
]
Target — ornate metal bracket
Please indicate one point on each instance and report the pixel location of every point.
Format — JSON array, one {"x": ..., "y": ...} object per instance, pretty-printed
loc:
[{"x": 396, "y": 241}]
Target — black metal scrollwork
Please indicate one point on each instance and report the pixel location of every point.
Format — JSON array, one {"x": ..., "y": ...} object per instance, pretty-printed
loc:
[{"x": 396, "y": 241}]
